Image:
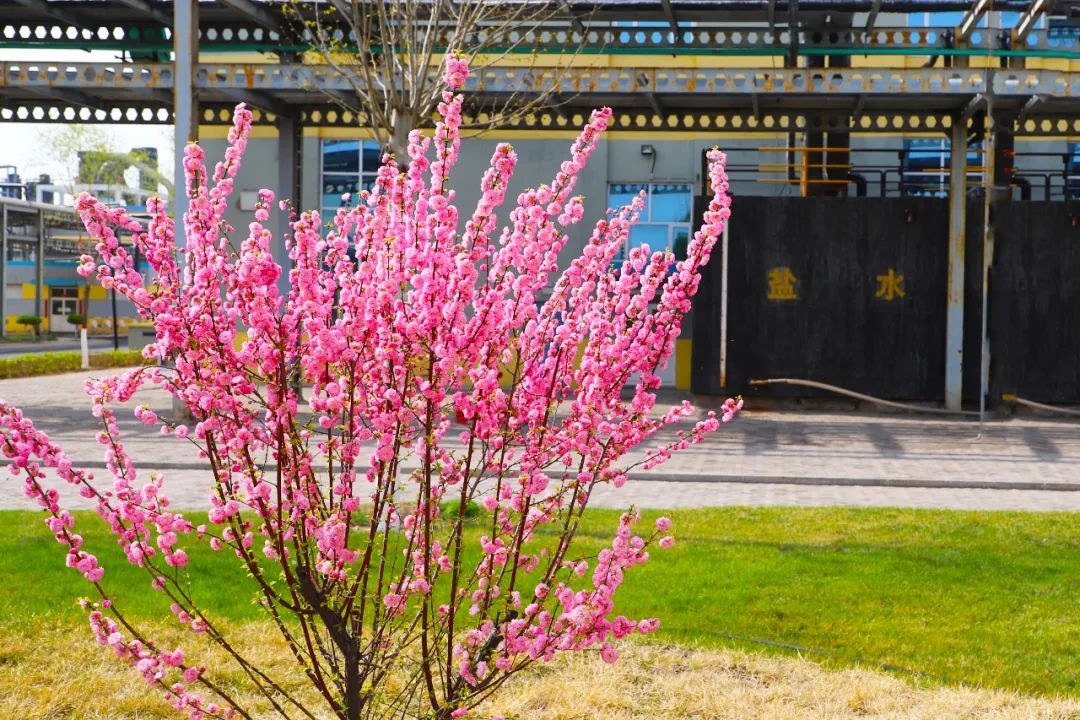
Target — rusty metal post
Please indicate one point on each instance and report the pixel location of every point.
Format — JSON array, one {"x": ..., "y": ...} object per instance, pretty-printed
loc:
[
  {"x": 989, "y": 197},
  {"x": 954, "y": 301}
]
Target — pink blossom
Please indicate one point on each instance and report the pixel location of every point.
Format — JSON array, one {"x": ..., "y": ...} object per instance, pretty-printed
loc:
[
  {"x": 457, "y": 70},
  {"x": 648, "y": 626},
  {"x": 406, "y": 316}
]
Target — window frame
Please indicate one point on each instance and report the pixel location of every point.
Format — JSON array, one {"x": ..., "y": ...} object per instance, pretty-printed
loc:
[
  {"x": 645, "y": 218},
  {"x": 360, "y": 176},
  {"x": 1071, "y": 189},
  {"x": 919, "y": 181}
]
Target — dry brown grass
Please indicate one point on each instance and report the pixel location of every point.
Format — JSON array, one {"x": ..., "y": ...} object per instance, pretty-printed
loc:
[
  {"x": 56, "y": 671},
  {"x": 52, "y": 672},
  {"x": 667, "y": 682}
]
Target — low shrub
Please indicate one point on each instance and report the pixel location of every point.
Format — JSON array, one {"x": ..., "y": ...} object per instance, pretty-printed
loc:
[
  {"x": 52, "y": 363},
  {"x": 30, "y": 321},
  {"x": 472, "y": 510},
  {"x": 116, "y": 358}
]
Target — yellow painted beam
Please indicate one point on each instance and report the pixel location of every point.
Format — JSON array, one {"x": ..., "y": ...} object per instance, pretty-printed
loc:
[{"x": 219, "y": 132}]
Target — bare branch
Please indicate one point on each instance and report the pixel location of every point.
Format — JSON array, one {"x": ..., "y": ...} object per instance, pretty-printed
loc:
[{"x": 391, "y": 54}]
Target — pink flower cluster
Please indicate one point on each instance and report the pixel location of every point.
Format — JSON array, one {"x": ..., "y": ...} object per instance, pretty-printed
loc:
[
  {"x": 156, "y": 666},
  {"x": 457, "y": 71},
  {"x": 451, "y": 365}
]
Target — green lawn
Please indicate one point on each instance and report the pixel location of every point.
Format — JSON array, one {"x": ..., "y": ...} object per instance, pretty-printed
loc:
[{"x": 986, "y": 598}]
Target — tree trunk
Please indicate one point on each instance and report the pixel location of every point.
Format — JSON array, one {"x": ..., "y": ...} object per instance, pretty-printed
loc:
[
  {"x": 353, "y": 704},
  {"x": 399, "y": 137}
]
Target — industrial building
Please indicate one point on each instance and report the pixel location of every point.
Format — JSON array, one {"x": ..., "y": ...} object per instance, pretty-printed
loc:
[{"x": 862, "y": 252}]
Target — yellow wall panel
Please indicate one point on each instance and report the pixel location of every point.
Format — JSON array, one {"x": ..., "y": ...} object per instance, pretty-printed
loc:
[{"x": 683, "y": 356}]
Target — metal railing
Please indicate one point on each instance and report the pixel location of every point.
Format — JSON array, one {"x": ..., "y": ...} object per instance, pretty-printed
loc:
[{"x": 1035, "y": 175}]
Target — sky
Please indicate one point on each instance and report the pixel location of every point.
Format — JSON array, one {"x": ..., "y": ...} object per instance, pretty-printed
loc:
[{"x": 21, "y": 143}]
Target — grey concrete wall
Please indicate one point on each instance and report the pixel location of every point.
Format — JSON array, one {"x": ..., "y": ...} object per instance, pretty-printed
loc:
[{"x": 618, "y": 160}]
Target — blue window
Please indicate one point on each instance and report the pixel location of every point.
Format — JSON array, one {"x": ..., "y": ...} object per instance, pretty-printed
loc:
[
  {"x": 1003, "y": 20},
  {"x": 348, "y": 166},
  {"x": 1009, "y": 20},
  {"x": 664, "y": 224},
  {"x": 624, "y": 194},
  {"x": 1072, "y": 174},
  {"x": 938, "y": 19},
  {"x": 334, "y": 186},
  {"x": 1060, "y": 28},
  {"x": 670, "y": 203},
  {"x": 924, "y": 169}
]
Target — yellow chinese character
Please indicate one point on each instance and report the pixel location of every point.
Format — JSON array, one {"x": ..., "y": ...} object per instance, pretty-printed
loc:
[
  {"x": 782, "y": 284},
  {"x": 891, "y": 286}
]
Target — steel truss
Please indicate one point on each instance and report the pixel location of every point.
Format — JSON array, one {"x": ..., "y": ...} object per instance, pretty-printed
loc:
[{"x": 1042, "y": 102}]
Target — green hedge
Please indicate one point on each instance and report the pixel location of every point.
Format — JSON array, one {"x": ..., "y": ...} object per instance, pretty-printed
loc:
[{"x": 51, "y": 363}]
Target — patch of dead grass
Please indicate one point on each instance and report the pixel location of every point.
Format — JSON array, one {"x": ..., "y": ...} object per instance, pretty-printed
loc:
[
  {"x": 54, "y": 671},
  {"x": 57, "y": 671},
  {"x": 652, "y": 682}
]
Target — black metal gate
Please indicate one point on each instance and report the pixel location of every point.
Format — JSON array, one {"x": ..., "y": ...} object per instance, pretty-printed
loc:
[
  {"x": 851, "y": 292},
  {"x": 1035, "y": 302},
  {"x": 847, "y": 291}
]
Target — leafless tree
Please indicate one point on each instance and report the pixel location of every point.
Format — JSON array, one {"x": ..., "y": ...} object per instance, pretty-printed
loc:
[{"x": 391, "y": 53}]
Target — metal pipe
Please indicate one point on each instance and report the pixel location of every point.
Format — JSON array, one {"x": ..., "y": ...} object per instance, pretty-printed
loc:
[
  {"x": 1025, "y": 187},
  {"x": 1039, "y": 406},
  {"x": 1020, "y": 179},
  {"x": 860, "y": 183},
  {"x": 861, "y": 396}
]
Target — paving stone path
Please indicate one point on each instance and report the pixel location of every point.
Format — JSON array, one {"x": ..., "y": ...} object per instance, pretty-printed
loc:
[{"x": 801, "y": 458}]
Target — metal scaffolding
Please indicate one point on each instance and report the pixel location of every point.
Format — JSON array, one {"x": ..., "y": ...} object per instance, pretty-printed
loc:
[
  {"x": 778, "y": 94},
  {"x": 800, "y": 78}
]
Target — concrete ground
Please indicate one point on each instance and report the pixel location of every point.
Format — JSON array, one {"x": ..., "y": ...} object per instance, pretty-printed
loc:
[{"x": 763, "y": 458}]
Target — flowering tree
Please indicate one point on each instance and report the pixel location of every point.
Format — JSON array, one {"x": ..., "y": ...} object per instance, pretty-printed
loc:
[{"x": 389, "y": 600}]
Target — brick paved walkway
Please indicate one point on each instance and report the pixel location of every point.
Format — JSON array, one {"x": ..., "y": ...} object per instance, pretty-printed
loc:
[{"x": 764, "y": 458}]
